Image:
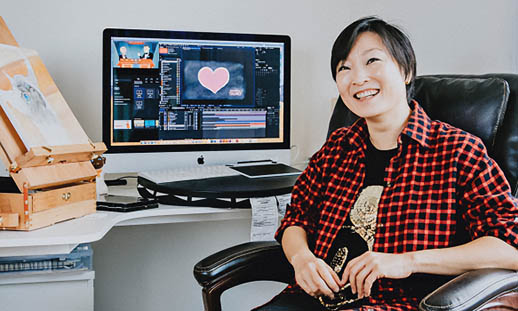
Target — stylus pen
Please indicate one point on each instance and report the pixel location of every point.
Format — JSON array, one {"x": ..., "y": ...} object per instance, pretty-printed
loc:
[{"x": 256, "y": 161}]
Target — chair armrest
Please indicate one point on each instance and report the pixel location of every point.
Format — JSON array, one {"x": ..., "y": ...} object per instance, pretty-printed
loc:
[
  {"x": 252, "y": 261},
  {"x": 474, "y": 289}
]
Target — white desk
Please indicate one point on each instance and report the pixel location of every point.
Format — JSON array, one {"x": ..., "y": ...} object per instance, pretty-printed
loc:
[
  {"x": 144, "y": 259},
  {"x": 63, "y": 237}
]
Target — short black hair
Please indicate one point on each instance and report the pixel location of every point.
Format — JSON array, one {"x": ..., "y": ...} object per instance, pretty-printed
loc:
[{"x": 394, "y": 39}]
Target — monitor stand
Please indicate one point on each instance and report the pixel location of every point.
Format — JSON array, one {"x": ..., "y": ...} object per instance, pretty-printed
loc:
[{"x": 221, "y": 192}]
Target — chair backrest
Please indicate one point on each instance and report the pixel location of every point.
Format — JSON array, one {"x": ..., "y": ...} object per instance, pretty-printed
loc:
[{"x": 484, "y": 105}]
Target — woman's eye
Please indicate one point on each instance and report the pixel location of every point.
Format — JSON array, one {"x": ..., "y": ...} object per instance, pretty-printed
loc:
[
  {"x": 343, "y": 68},
  {"x": 372, "y": 60}
]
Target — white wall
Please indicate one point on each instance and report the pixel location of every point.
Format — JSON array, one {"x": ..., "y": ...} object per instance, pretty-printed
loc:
[{"x": 457, "y": 36}]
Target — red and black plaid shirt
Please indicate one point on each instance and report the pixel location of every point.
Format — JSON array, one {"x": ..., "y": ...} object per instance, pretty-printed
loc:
[{"x": 442, "y": 189}]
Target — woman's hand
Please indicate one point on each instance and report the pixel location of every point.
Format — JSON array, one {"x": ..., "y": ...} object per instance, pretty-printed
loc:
[
  {"x": 364, "y": 270},
  {"x": 314, "y": 275}
]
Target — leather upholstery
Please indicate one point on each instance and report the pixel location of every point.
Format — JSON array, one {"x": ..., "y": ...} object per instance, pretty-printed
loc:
[
  {"x": 239, "y": 257},
  {"x": 478, "y": 287},
  {"x": 475, "y": 103},
  {"x": 253, "y": 261}
]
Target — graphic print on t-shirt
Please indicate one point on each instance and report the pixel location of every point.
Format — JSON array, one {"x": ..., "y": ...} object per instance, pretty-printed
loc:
[{"x": 364, "y": 213}]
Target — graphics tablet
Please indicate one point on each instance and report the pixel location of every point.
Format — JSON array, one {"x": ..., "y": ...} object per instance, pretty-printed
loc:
[{"x": 266, "y": 170}]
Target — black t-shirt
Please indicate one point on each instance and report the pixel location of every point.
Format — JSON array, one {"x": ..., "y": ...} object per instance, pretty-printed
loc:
[
  {"x": 357, "y": 234},
  {"x": 376, "y": 161}
]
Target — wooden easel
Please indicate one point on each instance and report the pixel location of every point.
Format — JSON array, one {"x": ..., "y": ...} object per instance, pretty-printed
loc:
[{"x": 55, "y": 183}]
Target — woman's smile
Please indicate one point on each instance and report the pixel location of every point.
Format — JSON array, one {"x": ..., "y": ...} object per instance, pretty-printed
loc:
[{"x": 366, "y": 94}]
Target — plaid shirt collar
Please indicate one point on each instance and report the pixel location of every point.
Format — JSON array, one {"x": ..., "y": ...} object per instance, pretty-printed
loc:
[{"x": 417, "y": 129}]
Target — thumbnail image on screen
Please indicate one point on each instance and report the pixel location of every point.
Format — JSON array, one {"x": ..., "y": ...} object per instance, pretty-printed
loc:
[{"x": 185, "y": 91}]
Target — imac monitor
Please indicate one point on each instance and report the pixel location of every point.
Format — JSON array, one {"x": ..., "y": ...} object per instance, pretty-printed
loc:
[{"x": 168, "y": 91}]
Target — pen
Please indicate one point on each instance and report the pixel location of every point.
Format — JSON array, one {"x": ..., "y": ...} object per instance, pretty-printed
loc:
[{"x": 256, "y": 161}]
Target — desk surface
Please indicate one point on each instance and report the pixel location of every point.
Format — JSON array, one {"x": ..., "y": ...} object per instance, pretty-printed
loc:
[{"x": 63, "y": 237}]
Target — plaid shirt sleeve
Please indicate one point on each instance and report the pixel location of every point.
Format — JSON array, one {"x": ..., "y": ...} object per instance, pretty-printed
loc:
[
  {"x": 491, "y": 209},
  {"x": 305, "y": 197}
]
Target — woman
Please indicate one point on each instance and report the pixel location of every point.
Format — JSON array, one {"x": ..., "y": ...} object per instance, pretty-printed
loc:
[{"x": 394, "y": 204}]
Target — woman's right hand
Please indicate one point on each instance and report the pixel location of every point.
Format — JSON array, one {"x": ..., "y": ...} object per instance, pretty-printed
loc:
[{"x": 314, "y": 275}]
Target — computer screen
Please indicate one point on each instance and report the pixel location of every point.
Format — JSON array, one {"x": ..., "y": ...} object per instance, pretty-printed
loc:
[{"x": 190, "y": 91}]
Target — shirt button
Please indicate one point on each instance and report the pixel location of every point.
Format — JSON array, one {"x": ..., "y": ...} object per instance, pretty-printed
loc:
[{"x": 389, "y": 184}]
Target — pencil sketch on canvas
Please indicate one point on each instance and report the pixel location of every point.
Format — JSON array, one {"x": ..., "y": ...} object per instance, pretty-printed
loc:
[{"x": 32, "y": 102}]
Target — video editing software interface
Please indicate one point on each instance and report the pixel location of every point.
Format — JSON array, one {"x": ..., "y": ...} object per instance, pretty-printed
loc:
[{"x": 187, "y": 91}]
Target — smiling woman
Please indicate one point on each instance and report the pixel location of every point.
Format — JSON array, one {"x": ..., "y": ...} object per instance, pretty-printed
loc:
[{"x": 373, "y": 219}]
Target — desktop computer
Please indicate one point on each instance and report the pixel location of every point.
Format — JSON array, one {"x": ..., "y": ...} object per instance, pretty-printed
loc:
[{"x": 171, "y": 98}]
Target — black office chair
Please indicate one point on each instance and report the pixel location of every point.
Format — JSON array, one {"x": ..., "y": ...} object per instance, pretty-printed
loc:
[{"x": 485, "y": 105}]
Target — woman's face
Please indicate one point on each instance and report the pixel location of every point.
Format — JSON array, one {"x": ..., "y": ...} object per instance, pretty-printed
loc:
[{"x": 370, "y": 81}]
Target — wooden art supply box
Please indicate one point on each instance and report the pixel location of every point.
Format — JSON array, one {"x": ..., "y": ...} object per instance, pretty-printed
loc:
[{"x": 48, "y": 184}]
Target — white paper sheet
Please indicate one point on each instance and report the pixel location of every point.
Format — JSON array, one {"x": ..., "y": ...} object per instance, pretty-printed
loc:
[
  {"x": 265, "y": 219},
  {"x": 283, "y": 200}
]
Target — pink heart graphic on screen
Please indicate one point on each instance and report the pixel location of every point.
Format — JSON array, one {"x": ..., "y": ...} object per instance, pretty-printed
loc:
[{"x": 213, "y": 80}]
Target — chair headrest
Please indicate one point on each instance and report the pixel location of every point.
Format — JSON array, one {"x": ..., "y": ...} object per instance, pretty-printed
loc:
[{"x": 476, "y": 105}]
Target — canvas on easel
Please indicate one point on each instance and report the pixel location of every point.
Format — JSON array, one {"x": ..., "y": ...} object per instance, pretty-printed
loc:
[
  {"x": 33, "y": 103},
  {"x": 42, "y": 144}
]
